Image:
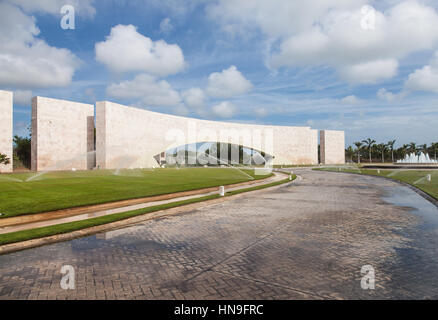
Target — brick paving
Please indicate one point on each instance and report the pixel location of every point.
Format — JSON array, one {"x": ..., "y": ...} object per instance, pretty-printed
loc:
[{"x": 308, "y": 240}]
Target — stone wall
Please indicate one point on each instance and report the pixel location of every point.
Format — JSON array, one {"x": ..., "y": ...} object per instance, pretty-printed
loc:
[
  {"x": 6, "y": 128},
  {"x": 127, "y": 137},
  {"x": 332, "y": 149},
  {"x": 130, "y": 138},
  {"x": 62, "y": 135}
]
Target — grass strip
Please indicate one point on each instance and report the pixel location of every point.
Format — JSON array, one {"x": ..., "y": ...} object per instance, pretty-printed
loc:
[{"x": 24, "y": 235}]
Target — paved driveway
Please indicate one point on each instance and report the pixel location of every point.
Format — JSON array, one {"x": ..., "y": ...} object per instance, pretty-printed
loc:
[{"x": 308, "y": 240}]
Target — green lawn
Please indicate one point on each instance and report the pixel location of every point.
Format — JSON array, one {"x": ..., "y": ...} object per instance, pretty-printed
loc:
[
  {"x": 417, "y": 178},
  {"x": 60, "y": 190},
  {"x": 77, "y": 225}
]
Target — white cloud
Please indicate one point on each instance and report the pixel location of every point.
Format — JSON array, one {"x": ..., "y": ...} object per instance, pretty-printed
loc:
[
  {"x": 194, "y": 98},
  {"x": 369, "y": 72},
  {"x": 146, "y": 88},
  {"x": 351, "y": 100},
  {"x": 16, "y": 26},
  {"x": 176, "y": 7},
  {"x": 224, "y": 110},
  {"x": 261, "y": 112},
  {"x": 23, "y": 97},
  {"x": 424, "y": 79},
  {"x": 181, "y": 110},
  {"x": 165, "y": 26},
  {"x": 127, "y": 50},
  {"x": 26, "y": 61},
  {"x": 90, "y": 95},
  {"x": 386, "y": 95},
  {"x": 275, "y": 18},
  {"x": 329, "y": 32},
  {"x": 228, "y": 83},
  {"x": 36, "y": 66},
  {"x": 82, "y": 7}
]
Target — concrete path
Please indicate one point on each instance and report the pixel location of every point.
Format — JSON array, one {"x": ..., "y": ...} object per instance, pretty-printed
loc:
[{"x": 307, "y": 240}]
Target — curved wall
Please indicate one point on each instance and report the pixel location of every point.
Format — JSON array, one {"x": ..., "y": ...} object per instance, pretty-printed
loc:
[{"x": 128, "y": 137}]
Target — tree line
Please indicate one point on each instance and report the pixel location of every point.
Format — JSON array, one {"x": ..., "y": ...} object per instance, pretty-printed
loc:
[
  {"x": 370, "y": 150},
  {"x": 21, "y": 151}
]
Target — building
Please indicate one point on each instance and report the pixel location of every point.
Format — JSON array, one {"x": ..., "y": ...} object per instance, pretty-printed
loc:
[{"x": 67, "y": 135}]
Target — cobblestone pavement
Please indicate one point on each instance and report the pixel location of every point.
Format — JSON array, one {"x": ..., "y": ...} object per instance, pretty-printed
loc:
[{"x": 307, "y": 240}]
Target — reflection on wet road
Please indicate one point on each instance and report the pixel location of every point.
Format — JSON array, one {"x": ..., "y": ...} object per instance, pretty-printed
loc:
[{"x": 304, "y": 241}]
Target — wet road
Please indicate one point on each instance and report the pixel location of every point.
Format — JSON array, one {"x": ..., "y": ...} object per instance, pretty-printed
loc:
[{"x": 308, "y": 240}]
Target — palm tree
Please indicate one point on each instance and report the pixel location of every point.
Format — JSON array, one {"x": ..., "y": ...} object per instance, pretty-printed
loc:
[
  {"x": 434, "y": 146},
  {"x": 358, "y": 149},
  {"x": 391, "y": 146},
  {"x": 369, "y": 143},
  {"x": 404, "y": 149},
  {"x": 349, "y": 153},
  {"x": 381, "y": 148},
  {"x": 412, "y": 147}
]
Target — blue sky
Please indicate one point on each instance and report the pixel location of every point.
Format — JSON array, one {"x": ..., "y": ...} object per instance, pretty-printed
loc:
[{"x": 304, "y": 63}]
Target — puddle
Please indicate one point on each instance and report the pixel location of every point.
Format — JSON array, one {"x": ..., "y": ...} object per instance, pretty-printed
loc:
[
  {"x": 126, "y": 238},
  {"x": 405, "y": 197}
]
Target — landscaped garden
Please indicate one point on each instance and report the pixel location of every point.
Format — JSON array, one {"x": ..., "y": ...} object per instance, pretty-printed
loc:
[
  {"x": 27, "y": 193},
  {"x": 214, "y": 174}
]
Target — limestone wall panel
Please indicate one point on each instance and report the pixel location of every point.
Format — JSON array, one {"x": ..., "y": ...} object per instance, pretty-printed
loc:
[
  {"x": 62, "y": 135},
  {"x": 332, "y": 147},
  {"x": 6, "y": 129}
]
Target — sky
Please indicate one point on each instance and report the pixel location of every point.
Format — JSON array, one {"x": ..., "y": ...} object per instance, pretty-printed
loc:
[{"x": 367, "y": 67}]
